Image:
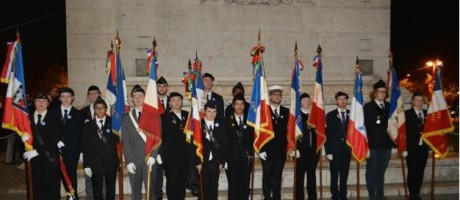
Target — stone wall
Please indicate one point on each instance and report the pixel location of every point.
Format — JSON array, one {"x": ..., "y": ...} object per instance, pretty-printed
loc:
[{"x": 223, "y": 32}]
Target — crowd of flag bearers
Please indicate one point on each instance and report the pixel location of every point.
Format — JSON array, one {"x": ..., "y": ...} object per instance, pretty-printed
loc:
[{"x": 156, "y": 138}]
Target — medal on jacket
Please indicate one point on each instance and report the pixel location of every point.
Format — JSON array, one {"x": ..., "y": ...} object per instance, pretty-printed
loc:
[{"x": 378, "y": 120}]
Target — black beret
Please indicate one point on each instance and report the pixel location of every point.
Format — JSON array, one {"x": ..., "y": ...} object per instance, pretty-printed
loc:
[
  {"x": 210, "y": 104},
  {"x": 304, "y": 95},
  {"x": 66, "y": 90},
  {"x": 175, "y": 94},
  {"x": 162, "y": 80},
  {"x": 379, "y": 84},
  {"x": 340, "y": 93},
  {"x": 208, "y": 75},
  {"x": 42, "y": 96},
  {"x": 137, "y": 88},
  {"x": 93, "y": 88},
  {"x": 238, "y": 86},
  {"x": 99, "y": 100}
]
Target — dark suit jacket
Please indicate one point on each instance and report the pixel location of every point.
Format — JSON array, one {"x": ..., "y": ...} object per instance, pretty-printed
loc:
[
  {"x": 413, "y": 130},
  {"x": 336, "y": 133},
  {"x": 70, "y": 133},
  {"x": 49, "y": 132},
  {"x": 133, "y": 144},
  {"x": 239, "y": 141},
  {"x": 308, "y": 139},
  {"x": 219, "y": 103},
  {"x": 100, "y": 154},
  {"x": 86, "y": 112},
  {"x": 277, "y": 145},
  {"x": 218, "y": 150},
  {"x": 174, "y": 149},
  {"x": 377, "y": 134}
]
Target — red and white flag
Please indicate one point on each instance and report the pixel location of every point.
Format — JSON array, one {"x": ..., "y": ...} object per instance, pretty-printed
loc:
[{"x": 317, "y": 117}]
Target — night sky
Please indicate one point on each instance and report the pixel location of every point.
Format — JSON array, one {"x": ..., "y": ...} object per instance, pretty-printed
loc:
[{"x": 420, "y": 31}]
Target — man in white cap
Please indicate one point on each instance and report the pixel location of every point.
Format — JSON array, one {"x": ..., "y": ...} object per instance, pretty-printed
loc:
[{"x": 273, "y": 154}]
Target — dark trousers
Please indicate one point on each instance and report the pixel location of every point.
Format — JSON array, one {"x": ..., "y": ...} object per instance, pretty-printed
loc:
[
  {"x": 71, "y": 163},
  {"x": 272, "y": 170},
  {"x": 306, "y": 165},
  {"x": 416, "y": 163},
  {"x": 238, "y": 181},
  {"x": 158, "y": 181},
  {"x": 210, "y": 183},
  {"x": 376, "y": 166},
  {"x": 98, "y": 180},
  {"x": 340, "y": 166},
  {"x": 176, "y": 177}
]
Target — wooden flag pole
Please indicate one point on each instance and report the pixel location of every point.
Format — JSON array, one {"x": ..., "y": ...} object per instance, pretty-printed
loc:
[
  {"x": 295, "y": 174},
  {"x": 30, "y": 193},
  {"x": 201, "y": 183},
  {"x": 433, "y": 159},
  {"x": 149, "y": 183},
  {"x": 252, "y": 174},
  {"x": 403, "y": 166},
  {"x": 320, "y": 175},
  {"x": 358, "y": 196},
  {"x": 120, "y": 173}
]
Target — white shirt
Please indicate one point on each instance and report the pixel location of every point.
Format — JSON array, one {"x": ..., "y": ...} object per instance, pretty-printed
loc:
[
  {"x": 275, "y": 108},
  {"x": 209, "y": 123},
  {"x": 91, "y": 110},
  {"x": 36, "y": 115},
  {"x": 307, "y": 112},
  {"x": 207, "y": 96},
  {"x": 340, "y": 113},
  {"x": 137, "y": 112},
  {"x": 419, "y": 111},
  {"x": 379, "y": 103},
  {"x": 98, "y": 122},
  {"x": 65, "y": 108},
  {"x": 165, "y": 101},
  {"x": 179, "y": 114},
  {"x": 239, "y": 118}
]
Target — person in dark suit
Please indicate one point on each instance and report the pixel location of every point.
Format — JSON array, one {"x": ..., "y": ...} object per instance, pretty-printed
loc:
[
  {"x": 337, "y": 151},
  {"x": 214, "y": 151},
  {"x": 162, "y": 92},
  {"x": 88, "y": 114},
  {"x": 44, "y": 159},
  {"x": 307, "y": 155},
  {"x": 133, "y": 141},
  {"x": 417, "y": 150},
  {"x": 175, "y": 151},
  {"x": 70, "y": 133},
  {"x": 237, "y": 89},
  {"x": 273, "y": 154},
  {"x": 376, "y": 121},
  {"x": 100, "y": 159},
  {"x": 240, "y": 138},
  {"x": 209, "y": 95}
]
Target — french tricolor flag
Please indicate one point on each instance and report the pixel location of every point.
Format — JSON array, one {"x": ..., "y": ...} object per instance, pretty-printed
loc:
[
  {"x": 317, "y": 117},
  {"x": 356, "y": 133},
  {"x": 8, "y": 65},
  {"x": 295, "y": 128},
  {"x": 397, "y": 119},
  {"x": 193, "y": 125}
]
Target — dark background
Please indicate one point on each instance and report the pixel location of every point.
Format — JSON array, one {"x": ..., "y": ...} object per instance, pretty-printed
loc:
[{"x": 420, "y": 31}]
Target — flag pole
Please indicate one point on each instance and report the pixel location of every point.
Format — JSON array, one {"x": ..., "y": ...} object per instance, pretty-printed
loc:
[
  {"x": 318, "y": 51},
  {"x": 295, "y": 141},
  {"x": 358, "y": 195},
  {"x": 433, "y": 160},
  {"x": 120, "y": 149},
  {"x": 252, "y": 173}
]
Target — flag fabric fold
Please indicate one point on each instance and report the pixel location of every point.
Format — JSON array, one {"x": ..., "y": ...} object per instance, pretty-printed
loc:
[
  {"x": 193, "y": 124},
  {"x": 438, "y": 121},
  {"x": 150, "y": 122},
  {"x": 7, "y": 66},
  {"x": 295, "y": 128},
  {"x": 16, "y": 113},
  {"x": 259, "y": 115},
  {"x": 397, "y": 119},
  {"x": 356, "y": 133},
  {"x": 117, "y": 85},
  {"x": 317, "y": 117}
]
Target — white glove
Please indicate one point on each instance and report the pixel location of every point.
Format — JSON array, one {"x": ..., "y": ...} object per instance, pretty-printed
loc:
[
  {"x": 60, "y": 144},
  {"x": 329, "y": 157},
  {"x": 295, "y": 153},
  {"x": 226, "y": 165},
  {"x": 80, "y": 160},
  {"x": 131, "y": 168},
  {"x": 150, "y": 162},
  {"x": 188, "y": 137},
  {"x": 30, "y": 154},
  {"x": 404, "y": 154},
  {"x": 25, "y": 137},
  {"x": 368, "y": 153},
  {"x": 263, "y": 156},
  {"x": 88, "y": 171},
  {"x": 159, "y": 160},
  {"x": 420, "y": 143},
  {"x": 208, "y": 137}
]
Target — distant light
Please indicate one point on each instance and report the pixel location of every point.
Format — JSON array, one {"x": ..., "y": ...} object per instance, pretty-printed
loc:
[
  {"x": 439, "y": 63},
  {"x": 408, "y": 75},
  {"x": 427, "y": 74},
  {"x": 429, "y": 63}
]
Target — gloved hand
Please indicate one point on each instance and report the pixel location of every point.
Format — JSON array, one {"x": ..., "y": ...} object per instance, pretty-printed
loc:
[
  {"x": 80, "y": 160},
  {"x": 131, "y": 168},
  {"x": 368, "y": 153},
  {"x": 226, "y": 165},
  {"x": 30, "y": 154},
  {"x": 150, "y": 162},
  {"x": 329, "y": 157},
  {"x": 159, "y": 160},
  {"x": 60, "y": 144},
  {"x": 295, "y": 153},
  {"x": 88, "y": 171},
  {"x": 208, "y": 137},
  {"x": 25, "y": 137},
  {"x": 404, "y": 154},
  {"x": 263, "y": 156}
]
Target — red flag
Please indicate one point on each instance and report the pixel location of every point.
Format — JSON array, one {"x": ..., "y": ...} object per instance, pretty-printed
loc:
[
  {"x": 317, "y": 117},
  {"x": 438, "y": 121},
  {"x": 8, "y": 62},
  {"x": 150, "y": 121}
]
